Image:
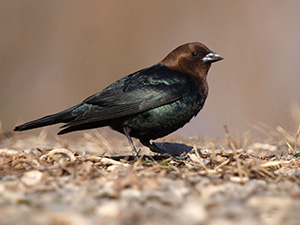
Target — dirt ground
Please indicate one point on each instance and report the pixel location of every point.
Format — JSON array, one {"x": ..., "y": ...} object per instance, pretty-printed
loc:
[{"x": 94, "y": 180}]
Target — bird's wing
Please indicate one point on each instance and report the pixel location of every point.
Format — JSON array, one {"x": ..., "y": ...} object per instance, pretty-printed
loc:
[{"x": 133, "y": 94}]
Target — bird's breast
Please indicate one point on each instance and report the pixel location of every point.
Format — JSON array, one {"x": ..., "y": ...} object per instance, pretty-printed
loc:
[{"x": 163, "y": 120}]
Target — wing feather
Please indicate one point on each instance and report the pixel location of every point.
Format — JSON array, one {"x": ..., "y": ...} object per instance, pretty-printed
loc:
[{"x": 136, "y": 93}]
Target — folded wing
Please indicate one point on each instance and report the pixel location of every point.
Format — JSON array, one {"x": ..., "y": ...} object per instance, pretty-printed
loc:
[{"x": 145, "y": 90}]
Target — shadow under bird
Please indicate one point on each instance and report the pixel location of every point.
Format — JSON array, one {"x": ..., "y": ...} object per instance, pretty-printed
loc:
[{"x": 148, "y": 104}]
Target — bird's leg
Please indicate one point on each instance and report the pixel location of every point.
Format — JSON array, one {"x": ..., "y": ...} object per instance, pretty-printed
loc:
[
  {"x": 152, "y": 147},
  {"x": 126, "y": 132}
]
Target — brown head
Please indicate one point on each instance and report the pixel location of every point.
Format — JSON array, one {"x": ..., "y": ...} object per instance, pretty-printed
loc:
[{"x": 193, "y": 59}]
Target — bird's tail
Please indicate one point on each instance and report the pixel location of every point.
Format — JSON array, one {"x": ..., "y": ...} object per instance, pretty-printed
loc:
[{"x": 61, "y": 117}]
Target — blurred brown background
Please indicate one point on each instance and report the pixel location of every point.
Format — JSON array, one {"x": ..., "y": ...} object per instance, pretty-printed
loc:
[{"x": 53, "y": 54}]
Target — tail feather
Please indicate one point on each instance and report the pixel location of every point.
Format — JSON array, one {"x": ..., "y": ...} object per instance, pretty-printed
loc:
[{"x": 61, "y": 117}]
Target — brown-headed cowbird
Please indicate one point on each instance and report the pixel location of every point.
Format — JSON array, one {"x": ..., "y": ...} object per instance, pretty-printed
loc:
[{"x": 148, "y": 104}]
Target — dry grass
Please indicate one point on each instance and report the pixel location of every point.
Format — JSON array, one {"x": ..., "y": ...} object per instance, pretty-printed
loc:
[{"x": 92, "y": 180}]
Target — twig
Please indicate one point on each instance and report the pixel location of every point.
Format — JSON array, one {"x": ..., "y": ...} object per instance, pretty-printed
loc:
[
  {"x": 200, "y": 159},
  {"x": 222, "y": 164},
  {"x": 60, "y": 151},
  {"x": 213, "y": 152},
  {"x": 274, "y": 163},
  {"x": 296, "y": 139},
  {"x": 107, "y": 161},
  {"x": 285, "y": 134},
  {"x": 229, "y": 139}
]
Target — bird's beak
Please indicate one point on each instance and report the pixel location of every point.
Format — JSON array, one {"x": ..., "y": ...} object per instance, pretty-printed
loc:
[{"x": 211, "y": 58}]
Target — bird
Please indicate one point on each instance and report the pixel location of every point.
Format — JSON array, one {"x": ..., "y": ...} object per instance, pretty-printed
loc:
[{"x": 148, "y": 104}]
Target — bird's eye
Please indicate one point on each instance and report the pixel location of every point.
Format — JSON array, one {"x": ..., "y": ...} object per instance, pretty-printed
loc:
[{"x": 194, "y": 53}]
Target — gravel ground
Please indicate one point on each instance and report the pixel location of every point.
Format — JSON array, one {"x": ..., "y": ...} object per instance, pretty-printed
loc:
[{"x": 75, "y": 181}]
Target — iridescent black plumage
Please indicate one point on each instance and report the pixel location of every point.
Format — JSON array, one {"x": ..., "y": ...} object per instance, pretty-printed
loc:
[{"x": 147, "y": 104}]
